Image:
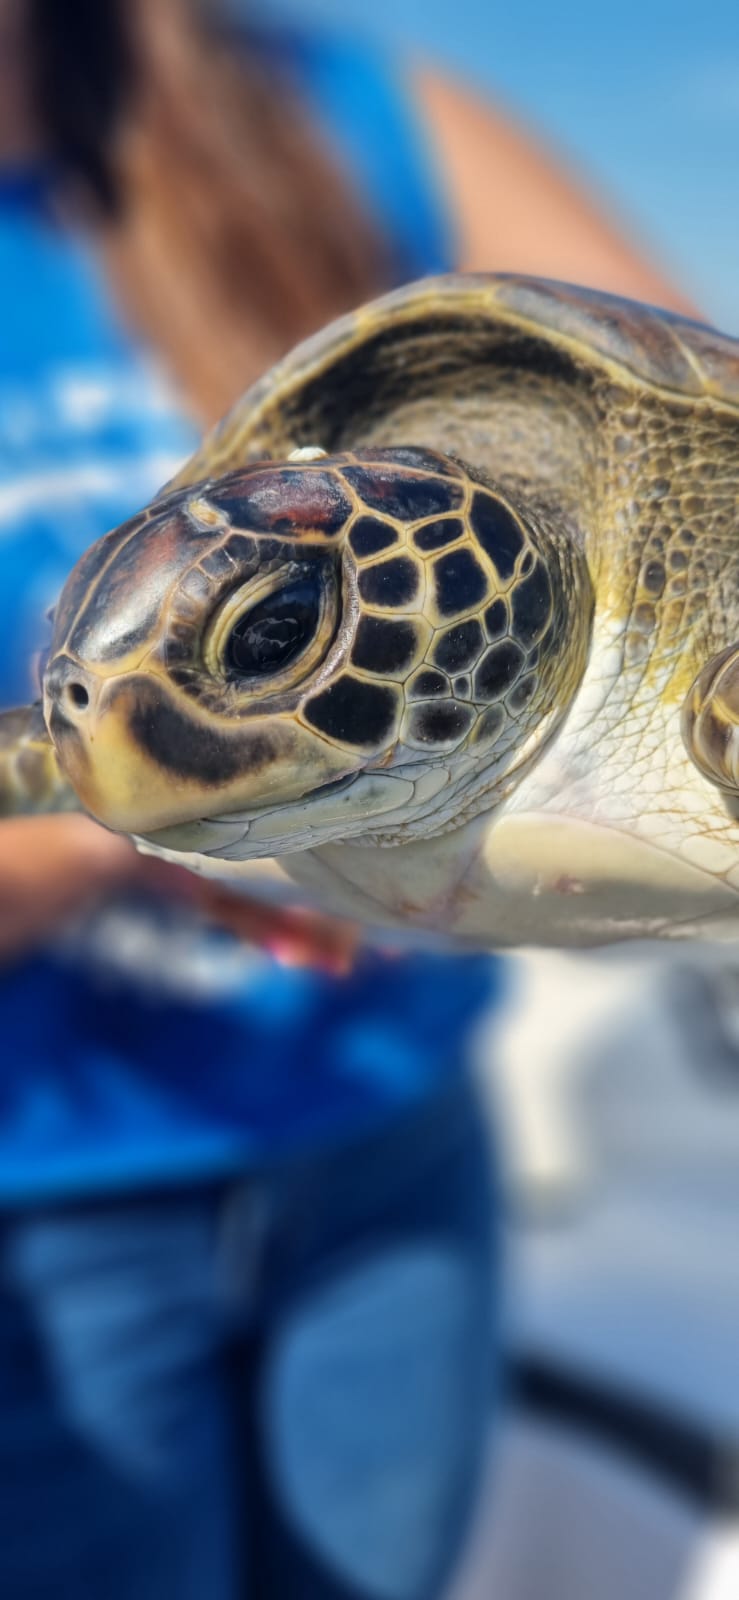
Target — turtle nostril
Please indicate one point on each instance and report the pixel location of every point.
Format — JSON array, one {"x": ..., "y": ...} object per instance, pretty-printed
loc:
[{"x": 77, "y": 696}]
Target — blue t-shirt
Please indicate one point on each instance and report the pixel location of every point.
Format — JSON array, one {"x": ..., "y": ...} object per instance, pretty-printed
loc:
[{"x": 140, "y": 1049}]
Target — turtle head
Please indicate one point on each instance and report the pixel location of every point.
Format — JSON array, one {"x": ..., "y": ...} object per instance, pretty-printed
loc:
[{"x": 311, "y": 650}]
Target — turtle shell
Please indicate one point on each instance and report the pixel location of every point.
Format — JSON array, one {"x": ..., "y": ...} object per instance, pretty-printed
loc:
[{"x": 454, "y": 336}]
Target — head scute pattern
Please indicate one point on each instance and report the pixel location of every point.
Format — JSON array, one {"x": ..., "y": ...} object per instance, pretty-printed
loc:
[
  {"x": 377, "y": 610},
  {"x": 454, "y": 600}
]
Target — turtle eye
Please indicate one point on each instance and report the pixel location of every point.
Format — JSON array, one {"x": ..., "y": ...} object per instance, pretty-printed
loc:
[{"x": 276, "y": 630}]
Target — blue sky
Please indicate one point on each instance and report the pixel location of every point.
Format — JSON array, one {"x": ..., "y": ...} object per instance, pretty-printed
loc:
[{"x": 644, "y": 94}]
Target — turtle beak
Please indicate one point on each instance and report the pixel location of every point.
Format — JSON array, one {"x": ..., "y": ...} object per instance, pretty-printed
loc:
[
  {"x": 70, "y": 696},
  {"x": 88, "y": 720},
  {"x": 141, "y": 759},
  {"x": 72, "y": 711}
]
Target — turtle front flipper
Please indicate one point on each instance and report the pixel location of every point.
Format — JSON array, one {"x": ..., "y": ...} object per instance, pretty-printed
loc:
[
  {"x": 711, "y": 720},
  {"x": 31, "y": 781}
]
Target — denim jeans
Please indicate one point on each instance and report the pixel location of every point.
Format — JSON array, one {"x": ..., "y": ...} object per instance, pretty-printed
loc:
[{"x": 271, "y": 1386}]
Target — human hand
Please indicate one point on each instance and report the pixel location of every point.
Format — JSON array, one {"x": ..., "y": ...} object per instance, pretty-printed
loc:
[
  {"x": 51, "y": 867},
  {"x": 294, "y": 936},
  {"x": 54, "y": 867}
]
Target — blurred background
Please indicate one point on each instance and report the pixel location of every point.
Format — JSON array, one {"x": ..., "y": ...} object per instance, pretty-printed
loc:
[
  {"x": 609, "y": 1082},
  {"x": 643, "y": 97}
]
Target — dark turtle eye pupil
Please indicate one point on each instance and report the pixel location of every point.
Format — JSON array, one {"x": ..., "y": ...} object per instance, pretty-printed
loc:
[{"x": 268, "y": 637}]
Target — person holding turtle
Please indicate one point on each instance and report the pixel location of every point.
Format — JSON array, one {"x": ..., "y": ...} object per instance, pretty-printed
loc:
[{"x": 247, "y": 1239}]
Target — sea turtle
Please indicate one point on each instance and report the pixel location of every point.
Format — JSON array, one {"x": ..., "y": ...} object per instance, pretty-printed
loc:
[{"x": 445, "y": 616}]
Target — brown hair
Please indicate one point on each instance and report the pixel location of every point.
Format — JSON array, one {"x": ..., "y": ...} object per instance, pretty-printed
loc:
[{"x": 229, "y": 231}]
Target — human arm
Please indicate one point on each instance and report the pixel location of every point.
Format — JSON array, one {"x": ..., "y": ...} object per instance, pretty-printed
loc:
[{"x": 515, "y": 208}]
